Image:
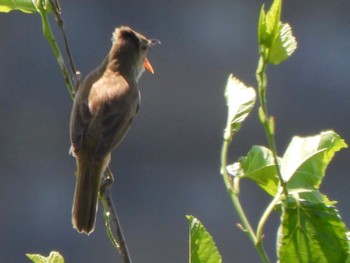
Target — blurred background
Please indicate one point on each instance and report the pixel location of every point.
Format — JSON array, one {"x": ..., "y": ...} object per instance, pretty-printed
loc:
[{"x": 168, "y": 165}]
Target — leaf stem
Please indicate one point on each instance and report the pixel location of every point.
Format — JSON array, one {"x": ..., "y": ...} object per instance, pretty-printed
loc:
[{"x": 265, "y": 216}]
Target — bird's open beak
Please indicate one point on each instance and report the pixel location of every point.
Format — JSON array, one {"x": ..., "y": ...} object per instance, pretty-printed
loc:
[
  {"x": 148, "y": 66},
  {"x": 146, "y": 63}
]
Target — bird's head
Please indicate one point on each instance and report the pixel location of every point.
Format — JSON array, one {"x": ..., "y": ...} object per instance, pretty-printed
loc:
[{"x": 129, "y": 51}]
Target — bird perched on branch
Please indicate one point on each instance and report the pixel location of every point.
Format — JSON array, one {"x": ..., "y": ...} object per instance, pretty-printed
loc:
[{"x": 105, "y": 104}]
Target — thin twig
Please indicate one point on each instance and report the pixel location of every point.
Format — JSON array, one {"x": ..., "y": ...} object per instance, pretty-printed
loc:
[
  {"x": 52, "y": 41},
  {"x": 57, "y": 11},
  {"x": 113, "y": 227},
  {"x": 266, "y": 214},
  {"x": 262, "y": 82}
]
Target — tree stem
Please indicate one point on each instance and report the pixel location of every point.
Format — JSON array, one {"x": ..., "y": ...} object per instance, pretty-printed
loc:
[
  {"x": 265, "y": 118},
  {"x": 232, "y": 187}
]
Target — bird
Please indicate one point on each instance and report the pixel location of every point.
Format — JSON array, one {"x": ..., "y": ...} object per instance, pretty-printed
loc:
[{"x": 105, "y": 104}]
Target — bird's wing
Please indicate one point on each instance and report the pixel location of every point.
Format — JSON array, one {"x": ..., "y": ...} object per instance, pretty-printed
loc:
[
  {"x": 80, "y": 118},
  {"x": 81, "y": 114},
  {"x": 114, "y": 126},
  {"x": 116, "y": 109}
]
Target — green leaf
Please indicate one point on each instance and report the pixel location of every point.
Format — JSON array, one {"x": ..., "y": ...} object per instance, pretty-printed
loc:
[
  {"x": 311, "y": 232},
  {"x": 275, "y": 38},
  {"x": 306, "y": 159},
  {"x": 26, "y": 6},
  {"x": 311, "y": 229},
  {"x": 283, "y": 46},
  {"x": 240, "y": 101},
  {"x": 314, "y": 196},
  {"x": 269, "y": 23},
  {"x": 54, "y": 257},
  {"x": 202, "y": 246},
  {"x": 258, "y": 166},
  {"x": 262, "y": 34}
]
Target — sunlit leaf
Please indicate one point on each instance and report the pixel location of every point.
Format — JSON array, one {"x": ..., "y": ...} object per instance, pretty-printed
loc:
[
  {"x": 306, "y": 159},
  {"x": 276, "y": 39},
  {"x": 26, "y": 6},
  {"x": 283, "y": 46},
  {"x": 258, "y": 166},
  {"x": 269, "y": 23},
  {"x": 54, "y": 257},
  {"x": 240, "y": 101},
  {"x": 311, "y": 233},
  {"x": 202, "y": 246}
]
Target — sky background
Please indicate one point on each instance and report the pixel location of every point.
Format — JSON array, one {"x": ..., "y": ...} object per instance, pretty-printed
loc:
[{"x": 168, "y": 165}]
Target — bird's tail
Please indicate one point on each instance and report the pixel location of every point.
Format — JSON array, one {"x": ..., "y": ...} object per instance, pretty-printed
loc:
[{"x": 89, "y": 173}]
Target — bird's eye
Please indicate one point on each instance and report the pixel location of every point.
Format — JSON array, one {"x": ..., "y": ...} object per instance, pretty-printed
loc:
[{"x": 143, "y": 48}]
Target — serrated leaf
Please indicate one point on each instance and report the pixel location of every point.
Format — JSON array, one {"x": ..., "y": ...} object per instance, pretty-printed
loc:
[
  {"x": 311, "y": 232},
  {"x": 269, "y": 23},
  {"x": 262, "y": 25},
  {"x": 283, "y": 45},
  {"x": 54, "y": 257},
  {"x": 240, "y": 101},
  {"x": 273, "y": 17},
  {"x": 202, "y": 246},
  {"x": 306, "y": 159},
  {"x": 26, "y": 6},
  {"x": 314, "y": 196},
  {"x": 258, "y": 165}
]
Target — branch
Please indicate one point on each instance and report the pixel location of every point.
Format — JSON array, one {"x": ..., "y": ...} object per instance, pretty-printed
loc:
[
  {"x": 43, "y": 11},
  {"x": 112, "y": 224},
  {"x": 57, "y": 11}
]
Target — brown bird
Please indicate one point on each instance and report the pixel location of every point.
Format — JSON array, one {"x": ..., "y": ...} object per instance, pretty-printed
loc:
[{"x": 105, "y": 104}]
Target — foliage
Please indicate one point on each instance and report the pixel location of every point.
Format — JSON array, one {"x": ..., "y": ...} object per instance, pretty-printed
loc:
[
  {"x": 311, "y": 229},
  {"x": 202, "y": 246},
  {"x": 26, "y": 6},
  {"x": 54, "y": 257}
]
